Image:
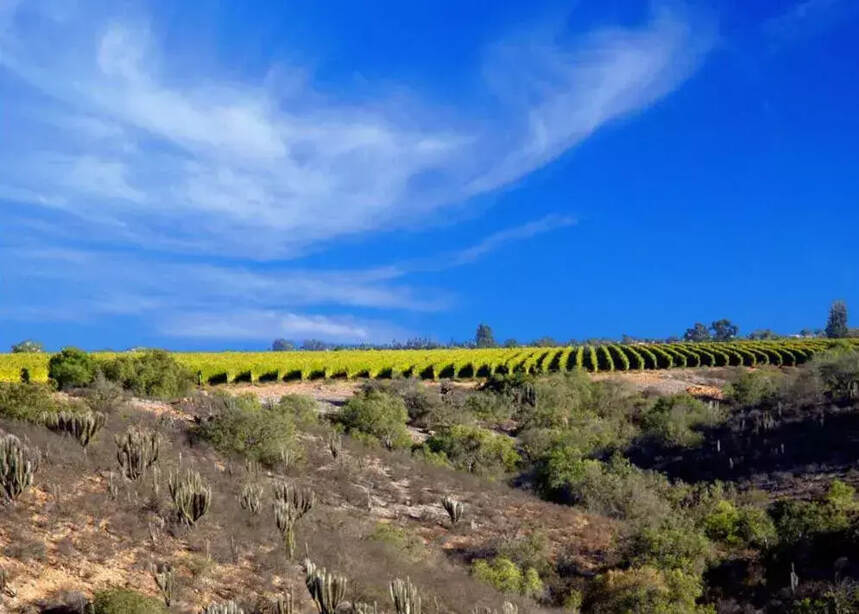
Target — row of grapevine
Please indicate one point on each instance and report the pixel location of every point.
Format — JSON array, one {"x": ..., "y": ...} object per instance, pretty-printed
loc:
[{"x": 461, "y": 363}]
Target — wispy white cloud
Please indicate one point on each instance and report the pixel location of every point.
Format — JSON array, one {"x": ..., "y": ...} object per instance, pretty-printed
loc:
[
  {"x": 807, "y": 18},
  {"x": 184, "y": 163}
]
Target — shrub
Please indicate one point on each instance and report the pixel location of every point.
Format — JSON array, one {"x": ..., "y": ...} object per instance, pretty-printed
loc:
[
  {"x": 153, "y": 373},
  {"x": 72, "y": 368},
  {"x": 304, "y": 410},
  {"x": 671, "y": 420},
  {"x": 646, "y": 590},
  {"x": 673, "y": 545},
  {"x": 240, "y": 425},
  {"x": 126, "y": 601},
  {"x": 797, "y": 521},
  {"x": 507, "y": 577},
  {"x": 103, "y": 395},
  {"x": 754, "y": 388},
  {"x": 475, "y": 449},
  {"x": 30, "y": 402},
  {"x": 378, "y": 414},
  {"x": 741, "y": 526},
  {"x": 839, "y": 373}
]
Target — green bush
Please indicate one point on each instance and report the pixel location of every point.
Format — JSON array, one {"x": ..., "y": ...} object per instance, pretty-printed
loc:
[
  {"x": 28, "y": 402},
  {"x": 507, "y": 577},
  {"x": 839, "y": 373},
  {"x": 378, "y": 414},
  {"x": 126, "y": 601},
  {"x": 475, "y": 449},
  {"x": 739, "y": 526},
  {"x": 304, "y": 410},
  {"x": 671, "y": 420},
  {"x": 646, "y": 590},
  {"x": 72, "y": 368},
  {"x": 153, "y": 373},
  {"x": 673, "y": 545},
  {"x": 240, "y": 425},
  {"x": 617, "y": 488},
  {"x": 754, "y": 388}
]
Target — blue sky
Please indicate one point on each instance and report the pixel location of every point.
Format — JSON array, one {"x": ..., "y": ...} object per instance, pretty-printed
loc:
[{"x": 215, "y": 175}]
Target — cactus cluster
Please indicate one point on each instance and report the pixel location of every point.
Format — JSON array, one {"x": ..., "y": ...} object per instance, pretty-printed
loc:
[
  {"x": 137, "y": 450},
  {"x": 228, "y": 607},
  {"x": 165, "y": 580},
  {"x": 285, "y": 604},
  {"x": 405, "y": 596},
  {"x": 290, "y": 505},
  {"x": 326, "y": 589},
  {"x": 454, "y": 509},
  {"x": 83, "y": 426},
  {"x": 250, "y": 497},
  {"x": 17, "y": 466},
  {"x": 506, "y": 608},
  {"x": 191, "y": 496}
]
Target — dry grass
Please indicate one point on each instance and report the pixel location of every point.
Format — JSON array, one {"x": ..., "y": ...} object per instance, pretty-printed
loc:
[{"x": 69, "y": 534}]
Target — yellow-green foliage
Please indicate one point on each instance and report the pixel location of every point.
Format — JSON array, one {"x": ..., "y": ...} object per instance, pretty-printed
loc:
[
  {"x": 507, "y": 577},
  {"x": 217, "y": 367}
]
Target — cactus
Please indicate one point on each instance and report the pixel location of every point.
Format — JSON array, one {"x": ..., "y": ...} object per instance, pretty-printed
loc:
[
  {"x": 454, "y": 509},
  {"x": 165, "y": 579},
  {"x": 326, "y": 589},
  {"x": 251, "y": 498},
  {"x": 228, "y": 607},
  {"x": 82, "y": 426},
  {"x": 359, "y": 607},
  {"x": 191, "y": 497},
  {"x": 17, "y": 466},
  {"x": 284, "y": 605},
  {"x": 335, "y": 445},
  {"x": 137, "y": 450},
  {"x": 405, "y": 596},
  {"x": 285, "y": 517},
  {"x": 794, "y": 580},
  {"x": 509, "y": 608},
  {"x": 299, "y": 498}
]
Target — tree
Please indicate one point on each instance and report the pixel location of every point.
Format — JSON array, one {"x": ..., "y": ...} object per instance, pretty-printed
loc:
[
  {"x": 314, "y": 345},
  {"x": 511, "y": 343},
  {"x": 484, "y": 338},
  {"x": 282, "y": 345},
  {"x": 762, "y": 334},
  {"x": 724, "y": 330},
  {"x": 28, "y": 345},
  {"x": 836, "y": 325},
  {"x": 699, "y": 332}
]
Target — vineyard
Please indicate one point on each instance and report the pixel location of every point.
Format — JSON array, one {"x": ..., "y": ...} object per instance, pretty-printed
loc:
[{"x": 226, "y": 367}]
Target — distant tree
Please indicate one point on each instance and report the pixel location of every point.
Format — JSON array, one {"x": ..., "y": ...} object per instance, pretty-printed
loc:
[
  {"x": 282, "y": 345},
  {"x": 511, "y": 343},
  {"x": 314, "y": 345},
  {"x": 836, "y": 325},
  {"x": 673, "y": 339},
  {"x": 699, "y": 332},
  {"x": 627, "y": 339},
  {"x": 762, "y": 334},
  {"x": 484, "y": 338},
  {"x": 546, "y": 342},
  {"x": 806, "y": 332},
  {"x": 724, "y": 330},
  {"x": 27, "y": 346}
]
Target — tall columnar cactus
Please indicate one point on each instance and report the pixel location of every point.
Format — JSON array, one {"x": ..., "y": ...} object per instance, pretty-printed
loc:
[
  {"x": 285, "y": 604},
  {"x": 137, "y": 450},
  {"x": 81, "y": 426},
  {"x": 250, "y": 498},
  {"x": 454, "y": 509},
  {"x": 165, "y": 580},
  {"x": 405, "y": 596},
  {"x": 326, "y": 589},
  {"x": 17, "y": 466},
  {"x": 191, "y": 496},
  {"x": 300, "y": 498},
  {"x": 228, "y": 607},
  {"x": 290, "y": 505}
]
